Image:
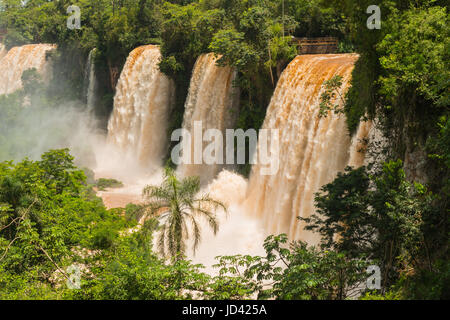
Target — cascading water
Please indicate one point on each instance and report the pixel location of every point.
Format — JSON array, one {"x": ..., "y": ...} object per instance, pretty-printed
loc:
[
  {"x": 214, "y": 101},
  {"x": 360, "y": 143},
  {"x": 20, "y": 59},
  {"x": 3, "y": 51},
  {"x": 312, "y": 149},
  {"x": 142, "y": 104},
  {"x": 90, "y": 82}
]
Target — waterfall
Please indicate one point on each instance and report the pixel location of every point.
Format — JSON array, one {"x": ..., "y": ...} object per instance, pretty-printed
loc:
[
  {"x": 213, "y": 100},
  {"x": 90, "y": 83},
  {"x": 312, "y": 149},
  {"x": 20, "y": 59},
  {"x": 144, "y": 96},
  {"x": 3, "y": 51},
  {"x": 359, "y": 144}
]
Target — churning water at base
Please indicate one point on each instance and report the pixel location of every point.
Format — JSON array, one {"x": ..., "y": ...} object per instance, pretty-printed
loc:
[{"x": 238, "y": 233}]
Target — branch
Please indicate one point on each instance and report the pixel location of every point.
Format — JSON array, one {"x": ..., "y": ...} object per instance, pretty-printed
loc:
[
  {"x": 21, "y": 217},
  {"x": 57, "y": 267},
  {"x": 7, "y": 248},
  {"x": 15, "y": 236}
]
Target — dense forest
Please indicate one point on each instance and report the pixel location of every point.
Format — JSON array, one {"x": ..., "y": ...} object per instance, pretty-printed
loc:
[{"x": 393, "y": 213}]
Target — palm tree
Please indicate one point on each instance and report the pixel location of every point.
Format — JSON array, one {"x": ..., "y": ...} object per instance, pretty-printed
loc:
[{"x": 175, "y": 204}]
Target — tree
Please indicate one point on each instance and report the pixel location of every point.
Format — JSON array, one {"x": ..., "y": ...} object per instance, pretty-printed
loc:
[
  {"x": 383, "y": 216},
  {"x": 46, "y": 218},
  {"x": 59, "y": 171},
  {"x": 343, "y": 209},
  {"x": 296, "y": 271},
  {"x": 416, "y": 54},
  {"x": 176, "y": 205}
]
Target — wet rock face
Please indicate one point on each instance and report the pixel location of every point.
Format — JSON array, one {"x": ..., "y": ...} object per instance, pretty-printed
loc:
[{"x": 415, "y": 164}]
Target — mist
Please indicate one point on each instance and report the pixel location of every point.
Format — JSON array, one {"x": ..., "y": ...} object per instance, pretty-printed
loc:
[{"x": 35, "y": 129}]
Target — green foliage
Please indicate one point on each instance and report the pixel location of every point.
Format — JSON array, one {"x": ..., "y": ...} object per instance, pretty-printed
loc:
[
  {"x": 132, "y": 271},
  {"x": 186, "y": 34},
  {"x": 60, "y": 173},
  {"x": 361, "y": 97},
  {"x": 25, "y": 286},
  {"x": 416, "y": 54},
  {"x": 315, "y": 19},
  {"x": 133, "y": 212},
  {"x": 45, "y": 215},
  {"x": 428, "y": 284},
  {"x": 103, "y": 184},
  {"x": 343, "y": 206},
  {"x": 330, "y": 95},
  {"x": 296, "y": 272},
  {"x": 391, "y": 221},
  {"x": 376, "y": 296},
  {"x": 439, "y": 146},
  {"x": 388, "y": 53},
  {"x": 402, "y": 79}
]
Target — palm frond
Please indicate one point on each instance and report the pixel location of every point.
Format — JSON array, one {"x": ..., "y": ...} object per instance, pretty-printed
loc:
[
  {"x": 206, "y": 200},
  {"x": 174, "y": 202},
  {"x": 197, "y": 233},
  {"x": 210, "y": 217},
  {"x": 162, "y": 240},
  {"x": 189, "y": 187}
]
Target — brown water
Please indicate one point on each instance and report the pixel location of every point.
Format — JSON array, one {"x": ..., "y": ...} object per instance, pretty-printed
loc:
[
  {"x": 142, "y": 104},
  {"x": 3, "y": 50},
  {"x": 312, "y": 149},
  {"x": 214, "y": 101},
  {"x": 20, "y": 59}
]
